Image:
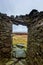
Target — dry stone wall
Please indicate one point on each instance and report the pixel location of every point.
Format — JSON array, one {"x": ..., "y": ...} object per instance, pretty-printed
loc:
[
  {"x": 35, "y": 43},
  {"x": 35, "y": 37},
  {"x": 5, "y": 38}
]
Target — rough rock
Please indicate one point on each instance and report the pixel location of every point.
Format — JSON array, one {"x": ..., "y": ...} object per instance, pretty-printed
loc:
[{"x": 5, "y": 38}]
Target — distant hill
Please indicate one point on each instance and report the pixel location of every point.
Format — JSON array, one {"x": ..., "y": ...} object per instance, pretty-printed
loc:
[{"x": 19, "y": 33}]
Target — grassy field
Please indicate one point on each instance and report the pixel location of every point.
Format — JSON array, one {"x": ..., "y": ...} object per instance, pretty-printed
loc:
[{"x": 18, "y": 39}]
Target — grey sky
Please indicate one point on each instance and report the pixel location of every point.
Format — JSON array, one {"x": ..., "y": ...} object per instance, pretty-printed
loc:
[
  {"x": 19, "y": 28},
  {"x": 17, "y": 7}
]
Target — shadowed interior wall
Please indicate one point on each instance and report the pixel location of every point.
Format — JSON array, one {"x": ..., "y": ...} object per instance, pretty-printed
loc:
[
  {"x": 5, "y": 38},
  {"x": 35, "y": 43}
]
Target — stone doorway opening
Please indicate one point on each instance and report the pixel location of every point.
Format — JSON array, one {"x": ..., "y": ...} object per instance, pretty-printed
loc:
[
  {"x": 19, "y": 34},
  {"x": 19, "y": 42},
  {"x": 19, "y": 38}
]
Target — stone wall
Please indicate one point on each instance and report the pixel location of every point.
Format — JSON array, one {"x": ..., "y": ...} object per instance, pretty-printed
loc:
[
  {"x": 5, "y": 38},
  {"x": 35, "y": 42},
  {"x": 35, "y": 37}
]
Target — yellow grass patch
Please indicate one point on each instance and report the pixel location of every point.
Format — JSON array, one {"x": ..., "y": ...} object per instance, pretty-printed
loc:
[{"x": 16, "y": 39}]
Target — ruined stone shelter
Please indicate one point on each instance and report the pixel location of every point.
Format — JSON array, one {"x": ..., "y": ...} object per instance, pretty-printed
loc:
[{"x": 34, "y": 23}]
